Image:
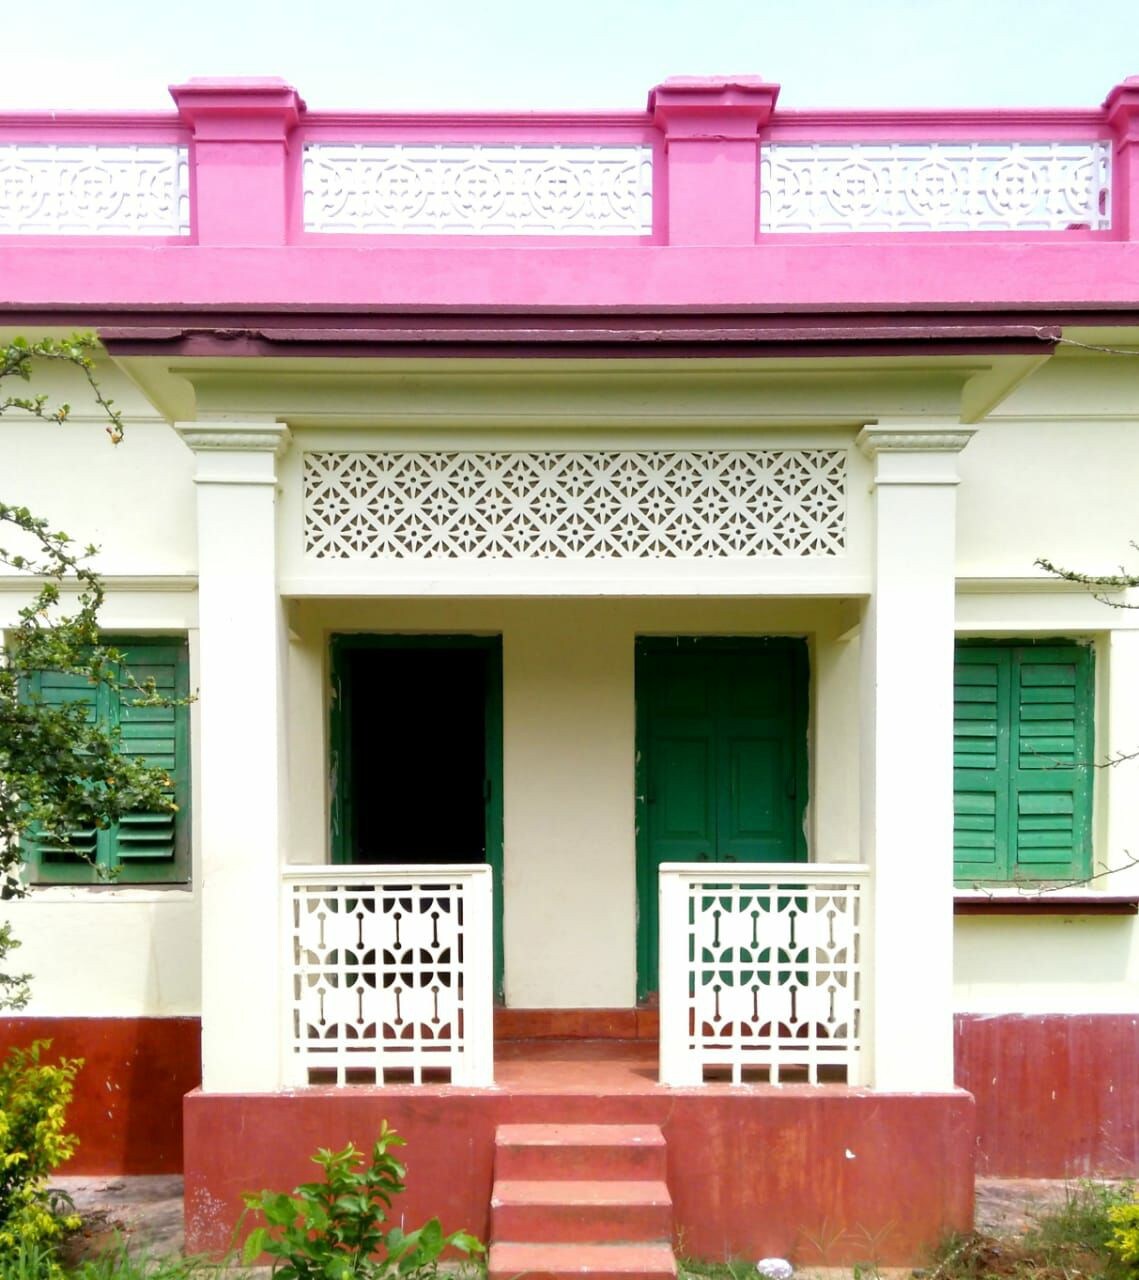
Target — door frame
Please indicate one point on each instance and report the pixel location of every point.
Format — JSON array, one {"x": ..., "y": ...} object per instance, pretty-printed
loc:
[
  {"x": 341, "y": 764},
  {"x": 796, "y": 646}
]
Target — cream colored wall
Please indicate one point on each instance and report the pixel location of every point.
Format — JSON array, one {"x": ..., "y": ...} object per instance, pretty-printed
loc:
[
  {"x": 1046, "y": 964},
  {"x": 1074, "y": 963},
  {"x": 569, "y": 759},
  {"x": 1052, "y": 473},
  {"x": 103, "y": 950},
  {"x": 134, "y": 500}
]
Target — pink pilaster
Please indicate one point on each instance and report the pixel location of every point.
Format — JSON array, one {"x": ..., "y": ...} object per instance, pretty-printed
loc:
[
  {"x": 711, "y": 131},
  {"x": 243, "y": 166},
  {"x": 1122, "y": 107}
]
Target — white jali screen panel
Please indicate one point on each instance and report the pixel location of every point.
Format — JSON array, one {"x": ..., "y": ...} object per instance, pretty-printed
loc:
[
  {"x": 390, "y": 973},
  {"x": 762, "y": 973}
]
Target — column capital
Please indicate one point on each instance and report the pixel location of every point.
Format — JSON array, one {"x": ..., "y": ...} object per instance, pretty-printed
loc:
[
  {"x": 1122, "y": 108},
  {"x": 235, "y": 437},
  {"x": 238, "y": 109},
  {"x": 712, "y": 106},
  {"x": 243, "y": 453},
  {"x": 917, "y": 437}
]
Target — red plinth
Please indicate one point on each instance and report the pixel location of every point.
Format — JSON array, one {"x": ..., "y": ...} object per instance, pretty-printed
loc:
[{"x": 817, "y": 1174}]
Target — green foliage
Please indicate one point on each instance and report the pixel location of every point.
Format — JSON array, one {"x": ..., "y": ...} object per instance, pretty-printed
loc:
[
  {"x": 29, "y": 1260},
  {"x": 1073, "y": 1241},
  {"x": 337, "y": 1229},
  {"x": 1123, "y": 1242},
  {"x": 58, "y": 771},
  {"x": 1083, "y": 1220},
  {"x": 33, "y": 1102}
]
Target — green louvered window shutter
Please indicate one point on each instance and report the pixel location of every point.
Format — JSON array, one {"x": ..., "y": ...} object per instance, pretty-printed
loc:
[
  {"x": 1023, "y": 742},
  {"x": 142, "y": 848},
  {"x": 68, "y": 863}
]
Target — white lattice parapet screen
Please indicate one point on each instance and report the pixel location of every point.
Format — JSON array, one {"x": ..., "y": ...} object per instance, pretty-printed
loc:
[
  {"x": 390, "y": 974},
  {"x": 761, "y": 972},
  {"x": 596, "y": 504},
  {"x": 94, "y": 190},
  {"x": 478, "y": 189},
  {"x": 935, "y": 186}
]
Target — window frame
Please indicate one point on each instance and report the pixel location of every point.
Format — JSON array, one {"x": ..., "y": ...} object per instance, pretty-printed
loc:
[
  {"x": 1008, "y": 871},
  {"x": 109, "y": 870}
]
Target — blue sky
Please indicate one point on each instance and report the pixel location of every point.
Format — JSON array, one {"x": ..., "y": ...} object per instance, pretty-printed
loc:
[{"x": 574, "y": 54}]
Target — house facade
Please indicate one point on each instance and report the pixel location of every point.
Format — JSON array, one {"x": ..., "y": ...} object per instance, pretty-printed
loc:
[{"x": 604, "y": 552}]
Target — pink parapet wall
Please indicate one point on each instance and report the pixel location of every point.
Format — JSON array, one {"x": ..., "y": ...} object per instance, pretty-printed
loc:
[{"x": 716, "y": 201}]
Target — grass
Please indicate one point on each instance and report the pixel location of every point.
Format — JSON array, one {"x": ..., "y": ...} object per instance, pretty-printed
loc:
[
  {"x": 1068, "y": 1242},
  {"x": 1065, "y": 1243}
]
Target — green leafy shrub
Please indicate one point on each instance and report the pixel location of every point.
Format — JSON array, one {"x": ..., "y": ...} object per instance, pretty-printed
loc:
[
  {"x": 33, "y": 1142},
  {"x": 337, "y": 1229},
  {"x": 1124, "y": 1240}
]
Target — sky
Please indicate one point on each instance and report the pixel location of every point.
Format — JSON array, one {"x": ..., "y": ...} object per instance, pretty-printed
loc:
[{"x": 518, "y": 55}]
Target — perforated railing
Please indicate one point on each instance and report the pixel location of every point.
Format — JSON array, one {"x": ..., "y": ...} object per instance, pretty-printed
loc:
[
  {"x": 761, "y": 972},
  {"x": 390, "y": 975}
]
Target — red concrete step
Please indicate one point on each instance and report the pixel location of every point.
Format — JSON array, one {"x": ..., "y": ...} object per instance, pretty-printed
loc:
[
  {"x": 588, "y": 1211},
  {"x": 595, "y": 1261},
  {"x": 614, "y": 1151}
]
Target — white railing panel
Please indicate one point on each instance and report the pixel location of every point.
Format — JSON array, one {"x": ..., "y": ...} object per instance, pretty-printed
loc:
[
  {"x": 390, "y": 975},
  {"x": 478, "y": 189},
  {"x": 762, "y": 971},
  {"x": 935, "y": 186},
  {"x": 94, "y": 190}
]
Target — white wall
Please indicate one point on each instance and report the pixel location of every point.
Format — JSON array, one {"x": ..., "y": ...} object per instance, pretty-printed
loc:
[{"x": 1053, "y": 473}]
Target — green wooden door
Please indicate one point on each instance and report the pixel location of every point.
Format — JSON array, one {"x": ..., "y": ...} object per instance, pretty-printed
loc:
[{"x": 721, "y": 763}]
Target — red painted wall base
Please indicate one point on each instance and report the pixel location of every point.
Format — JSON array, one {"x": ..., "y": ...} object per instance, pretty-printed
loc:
[
  {"x": 818, "y": 1175},
  {"x": 127, "y": 1109},
  {"x": 1057, "y": 1094}
]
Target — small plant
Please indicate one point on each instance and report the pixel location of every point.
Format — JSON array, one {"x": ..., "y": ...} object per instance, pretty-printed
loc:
[
  {"x": 1123, "y": 1243},
  {"x": 33, "y": 1142},
  {"x": 29, "y": 1261},
  {"x": 337, "y": 1229}
]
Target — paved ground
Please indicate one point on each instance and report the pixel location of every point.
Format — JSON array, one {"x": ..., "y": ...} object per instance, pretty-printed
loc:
[{"x": 147, "y": 1212}]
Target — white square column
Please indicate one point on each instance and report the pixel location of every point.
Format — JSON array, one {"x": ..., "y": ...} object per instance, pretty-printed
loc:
[
  {"x": 907, "y": 752},
  {"x": 241, "y": 750}
]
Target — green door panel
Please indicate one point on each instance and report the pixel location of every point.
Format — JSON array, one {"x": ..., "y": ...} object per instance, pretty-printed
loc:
[
  {"x": 680, "y": 795},
  {"x": 721, "y": 741},
  {"x": 755, "y": 809}
]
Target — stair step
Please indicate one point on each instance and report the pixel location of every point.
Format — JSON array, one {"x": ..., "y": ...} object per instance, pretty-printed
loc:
[
  {"x": 590, "y": 1211},
  {"x": 595, "y": 1261},
  {"x": 586, "y": 1151}
]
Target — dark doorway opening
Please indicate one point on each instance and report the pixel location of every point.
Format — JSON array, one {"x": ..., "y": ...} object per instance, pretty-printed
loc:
[
  {"x": 416, "y": 754},
  {"x": 417, "y": 743}
]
